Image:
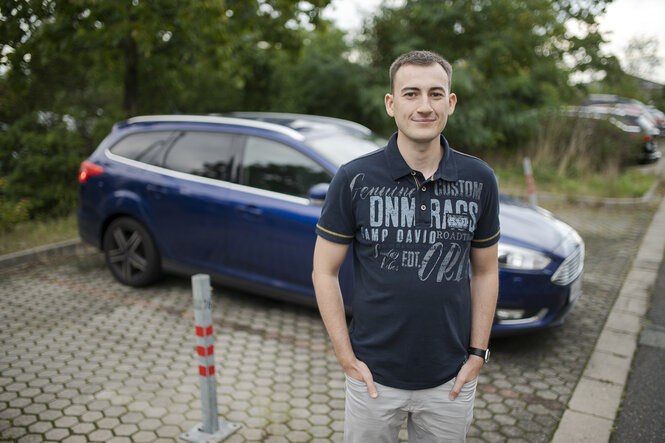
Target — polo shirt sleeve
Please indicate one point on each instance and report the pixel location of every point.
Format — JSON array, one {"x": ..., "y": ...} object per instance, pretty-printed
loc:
[
  {"x": 337, "y": 221},
  {"x": 488, "y": 229}
]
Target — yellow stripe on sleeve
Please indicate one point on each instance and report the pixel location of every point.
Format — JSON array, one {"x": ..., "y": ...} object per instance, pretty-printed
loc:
[
  {"x": 333, "y": 233},
  {"x": 487, "y": 239}
]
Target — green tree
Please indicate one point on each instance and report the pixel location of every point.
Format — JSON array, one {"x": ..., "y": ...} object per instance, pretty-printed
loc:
[
  {"x": 88, "y": 63},
  {"x": 511, "y": 59},
  {"x": 146, "y": 56},
  {"x": 322, "y": 81}
]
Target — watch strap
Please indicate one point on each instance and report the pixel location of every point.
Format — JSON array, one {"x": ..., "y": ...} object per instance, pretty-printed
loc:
[{"x": 483, "y": 353}]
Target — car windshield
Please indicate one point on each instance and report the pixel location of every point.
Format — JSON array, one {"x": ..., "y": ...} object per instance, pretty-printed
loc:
[{"x": 340, "y": 148}]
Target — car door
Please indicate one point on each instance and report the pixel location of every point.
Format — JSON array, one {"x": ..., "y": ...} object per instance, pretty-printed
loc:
[
  {"x": 271, "y": 221},
  {"x": 186, "y": 196}
]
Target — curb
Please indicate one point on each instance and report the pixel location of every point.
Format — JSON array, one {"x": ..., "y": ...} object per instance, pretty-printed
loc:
[
  {"x": 63, "y": 248},
  {"x": 595, "y": 402}
]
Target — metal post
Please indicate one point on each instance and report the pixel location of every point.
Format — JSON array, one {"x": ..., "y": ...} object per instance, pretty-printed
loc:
[
  {"x": 213, "y": 428},
  {"x": 530, "y": 183}
]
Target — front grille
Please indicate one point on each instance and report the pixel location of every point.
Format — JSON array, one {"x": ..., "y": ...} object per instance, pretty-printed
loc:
[{"x": 571, "y": 268}]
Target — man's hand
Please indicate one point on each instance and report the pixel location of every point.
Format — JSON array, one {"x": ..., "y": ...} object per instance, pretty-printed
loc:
[
  {"x": 469, "y": 372},
  {"x": 359, "y": 371}
]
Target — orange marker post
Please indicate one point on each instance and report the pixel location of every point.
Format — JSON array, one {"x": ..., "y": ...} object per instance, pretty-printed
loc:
[{"x": 530, "y": 183}]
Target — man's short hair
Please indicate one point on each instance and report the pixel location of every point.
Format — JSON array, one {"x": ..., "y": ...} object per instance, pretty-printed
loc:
[{"x": 420, "y": 58}]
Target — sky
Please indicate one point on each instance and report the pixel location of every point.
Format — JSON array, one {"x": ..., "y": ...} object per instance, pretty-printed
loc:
[{"x": 623, "y": 20}]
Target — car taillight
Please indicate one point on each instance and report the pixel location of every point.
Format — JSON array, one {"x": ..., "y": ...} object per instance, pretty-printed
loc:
[
  {"x": 647, "y": 138},
  {"x": 89, "y": 169}
]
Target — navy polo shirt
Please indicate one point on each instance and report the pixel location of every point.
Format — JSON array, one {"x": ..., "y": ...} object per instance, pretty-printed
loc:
[{"x": 411, "y": 240}]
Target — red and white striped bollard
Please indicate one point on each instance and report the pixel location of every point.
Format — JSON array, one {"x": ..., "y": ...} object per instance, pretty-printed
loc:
[{"x": 213, "y": 427}]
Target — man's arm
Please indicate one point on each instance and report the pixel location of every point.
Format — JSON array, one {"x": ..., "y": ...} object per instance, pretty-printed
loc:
[
  {"x": 484, "y": 293},
  {"x": 328, "y": 258}
]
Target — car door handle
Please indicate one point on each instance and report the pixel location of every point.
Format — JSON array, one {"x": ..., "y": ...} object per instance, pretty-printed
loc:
[
  {"x": 157, "y": 191},
  {"x": 156, "y": 188},
  {"x": 250, "y": 211}
]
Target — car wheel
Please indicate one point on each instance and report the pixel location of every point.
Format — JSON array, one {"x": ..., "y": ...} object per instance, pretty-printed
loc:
[{"x": 131, "y": 253}]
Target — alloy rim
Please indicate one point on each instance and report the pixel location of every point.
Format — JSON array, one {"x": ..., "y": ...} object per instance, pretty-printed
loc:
[{"x": 127, "y": 254}]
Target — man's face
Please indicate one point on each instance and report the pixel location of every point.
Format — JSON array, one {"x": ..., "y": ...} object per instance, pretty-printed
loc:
[{"x": 420, "y": 102}]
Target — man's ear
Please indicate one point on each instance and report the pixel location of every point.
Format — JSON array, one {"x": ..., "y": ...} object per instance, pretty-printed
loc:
[
  {"x": 452, "y": 101},
  {"x": 389, "y": 105}
]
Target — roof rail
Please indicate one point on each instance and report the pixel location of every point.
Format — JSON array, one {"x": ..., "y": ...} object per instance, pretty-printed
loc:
[
  {"x": 304, "y": 117},
  {"x": 212, "y": 119}
]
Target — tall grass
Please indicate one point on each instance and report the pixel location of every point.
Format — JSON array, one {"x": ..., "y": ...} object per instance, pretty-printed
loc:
[
  {"x": 33, "y": 233},
  {"x": 577, "y": 156}
]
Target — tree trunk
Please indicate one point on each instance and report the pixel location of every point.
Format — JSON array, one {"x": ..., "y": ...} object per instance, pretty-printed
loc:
[{"x": 131, "y": 79}]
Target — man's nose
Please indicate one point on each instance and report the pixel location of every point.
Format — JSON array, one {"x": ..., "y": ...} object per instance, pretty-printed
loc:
[{"x": 424, "y": 105}]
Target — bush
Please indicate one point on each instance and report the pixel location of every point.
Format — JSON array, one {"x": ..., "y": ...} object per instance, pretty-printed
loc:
[
  {"x": 39, "y": 158},
  {"x": 12, "y": 213}
]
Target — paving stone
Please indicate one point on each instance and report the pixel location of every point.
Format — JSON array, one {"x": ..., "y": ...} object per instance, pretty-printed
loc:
[
  {"x": 298, "y": 436},
  {"x": 13, "y": 433},
  {"x": 100, "y": 435},
  {"x": 24, "y": 420},
  {"x": 144, "y": 436},
  {"x": 65, "y": 422},
  {"x": 91, "y": 416},
  {"x": 168, "y": 431},
  {"x": 83, "y": 428},
  {"x": 40, "y": 427},
  {"x": 124, "y": 359},
  {"x": 299, "y": 425},
  {"x": 251, "y": 435},
  {"x": 30, "y": 438},
  {"x": 504, "y": 419},
  {"x": 20, "y": 403},
  {"x": 50, "y": 415},
  {"x": 56, "y": 434}
]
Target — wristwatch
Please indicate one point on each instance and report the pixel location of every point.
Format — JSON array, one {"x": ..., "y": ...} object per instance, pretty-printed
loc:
[{"x": 484, "y": 353}]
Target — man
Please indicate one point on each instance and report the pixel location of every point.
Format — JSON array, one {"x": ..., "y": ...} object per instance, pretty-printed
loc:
[{"x": 417, "y": 213}]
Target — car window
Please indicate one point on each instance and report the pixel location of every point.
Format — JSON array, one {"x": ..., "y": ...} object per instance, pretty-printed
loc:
[
  {"x": 208, "y": 154},
  {"x": 276, "y": 167},
  {"x": 147, "y": 147}
]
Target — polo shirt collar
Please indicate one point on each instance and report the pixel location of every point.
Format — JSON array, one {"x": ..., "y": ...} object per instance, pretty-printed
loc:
[{"x": 398, "y": 168}]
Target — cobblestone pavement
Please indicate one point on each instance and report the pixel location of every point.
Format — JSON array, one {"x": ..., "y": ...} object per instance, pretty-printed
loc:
[{"x": 83, "y": 358}]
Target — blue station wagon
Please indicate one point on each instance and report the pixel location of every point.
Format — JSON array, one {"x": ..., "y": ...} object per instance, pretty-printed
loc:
[{"x": 238, "y": 196}]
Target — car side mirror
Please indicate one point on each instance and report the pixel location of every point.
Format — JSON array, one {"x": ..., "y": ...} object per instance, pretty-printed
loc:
[{"x": 317, "y": 193}]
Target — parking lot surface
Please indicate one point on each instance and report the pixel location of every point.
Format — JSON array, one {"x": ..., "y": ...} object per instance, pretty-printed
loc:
[{"x": 83, "y": 358}]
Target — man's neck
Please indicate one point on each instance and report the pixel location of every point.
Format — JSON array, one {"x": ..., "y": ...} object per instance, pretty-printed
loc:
[{"x": 422, "y": 157}]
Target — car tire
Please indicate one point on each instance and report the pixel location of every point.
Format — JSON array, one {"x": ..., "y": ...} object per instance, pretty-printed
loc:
[{"x": 131, "y": 253}]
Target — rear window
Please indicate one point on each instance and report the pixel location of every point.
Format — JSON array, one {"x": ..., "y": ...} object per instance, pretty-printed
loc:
[
  {"x": 146, "y": 147},
  {"x": 206, "y": 154}
]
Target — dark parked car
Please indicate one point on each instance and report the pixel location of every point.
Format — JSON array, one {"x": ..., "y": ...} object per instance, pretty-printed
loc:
[
  {"x": 629, "y": 119},
  {"x": 654, "y": 116},
  {"x": 238, "y": 197}
]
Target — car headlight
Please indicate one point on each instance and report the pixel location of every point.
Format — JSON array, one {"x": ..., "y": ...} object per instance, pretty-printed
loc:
[{"x": 515, "y": 257}]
